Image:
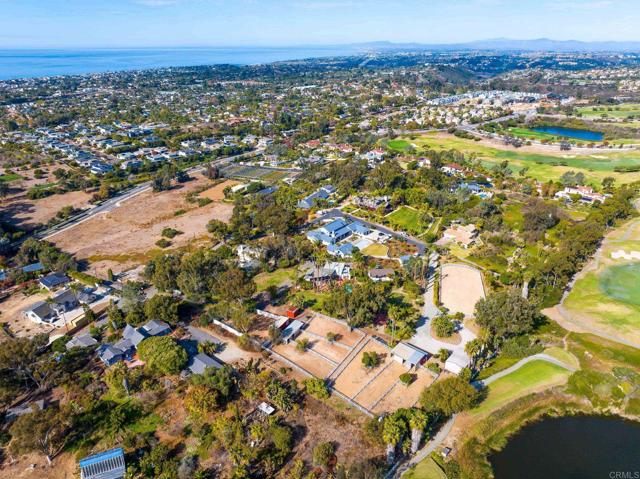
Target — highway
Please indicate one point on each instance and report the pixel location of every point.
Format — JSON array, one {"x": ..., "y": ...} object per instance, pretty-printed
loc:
[{"x": 115, "y": 202}]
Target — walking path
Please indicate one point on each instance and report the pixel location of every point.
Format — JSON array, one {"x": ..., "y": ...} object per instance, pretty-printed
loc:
[
  {"x": 519, "y": 364},
  {"x": 426, "y": 451}
]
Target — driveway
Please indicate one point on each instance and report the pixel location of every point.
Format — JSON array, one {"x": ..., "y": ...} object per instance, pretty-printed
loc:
[
  {"x": 230, "y": 352},
  {"x": 423, "y": 338}
]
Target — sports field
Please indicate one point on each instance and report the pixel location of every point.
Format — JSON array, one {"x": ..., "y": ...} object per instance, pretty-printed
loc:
[
  {"x": 541, "y": 166},
  {"x": 532, "y": 377},
  {"x": 407, "y": 219}
]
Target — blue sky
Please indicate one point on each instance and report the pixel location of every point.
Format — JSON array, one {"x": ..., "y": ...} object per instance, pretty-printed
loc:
[{"x": 129, "y": 23}]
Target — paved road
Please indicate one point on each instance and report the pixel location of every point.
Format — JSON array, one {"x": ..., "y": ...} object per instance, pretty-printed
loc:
[
  {"x": 116, "y": 201},
  {"x": 519, "y": 364},
  {"x": 336, "y": 213}
]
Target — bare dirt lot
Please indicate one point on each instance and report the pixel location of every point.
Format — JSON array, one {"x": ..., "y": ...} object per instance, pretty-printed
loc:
[
  {"x": 307, "y": 360},
  {"x": 12, "y": 309},
  {"x": 461, "y": 288},
  {"x": 404, "y": 396},
  {"x": 119, "y": 239},
  {"x": 355, "y": 376},
  {"x": 28, "y": 214},
  {"x": 384, "y": 381},
  {"x": 321, "y": 325}
]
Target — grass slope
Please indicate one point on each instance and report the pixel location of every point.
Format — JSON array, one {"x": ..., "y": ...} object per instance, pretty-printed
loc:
[
  {"x": 426, "y": 469},
  {"x": 529, "y": 378}
]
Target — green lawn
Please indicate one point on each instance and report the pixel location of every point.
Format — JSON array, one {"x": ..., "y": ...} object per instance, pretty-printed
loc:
[
  {"x": 276, "y": 278},
  {"x": 398, "y": 145},
  {"x": 9, "y": 177},
  {"x": 406, "y": 219},
  {"x": 376, "y": 249},
  {"x": 531, "y": 377},
  {"x": 427, "y": 469},
  {"x": 541, "y": 166}
]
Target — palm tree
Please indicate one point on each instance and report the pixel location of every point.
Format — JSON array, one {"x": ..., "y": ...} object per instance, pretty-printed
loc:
[
  {"x": 392, "y": 433},
  {"x": 473, "y": 348},
  {"x": 418, "y": 423}
]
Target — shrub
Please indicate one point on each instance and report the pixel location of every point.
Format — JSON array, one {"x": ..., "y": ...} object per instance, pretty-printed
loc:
[
  {"x": 370, "y": 359},
  {"x": 163, "y": 243},
  {"x": 444, "y": 326},
  {"x": 302, "y": 345},
  {"x": 170, "y": 233},
  {"x": 162, "y": 355},
  {"x": 316, "y": 387},
  {"x": 406, "y": 378},
  {"x": 323, "y": 453}
]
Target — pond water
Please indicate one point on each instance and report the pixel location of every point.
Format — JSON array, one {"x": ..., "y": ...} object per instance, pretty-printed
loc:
[
  {"x": 576, "y": 447},
  {"x": 585, "y": 135}
]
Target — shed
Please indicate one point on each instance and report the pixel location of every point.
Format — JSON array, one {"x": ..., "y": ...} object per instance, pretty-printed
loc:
[
  {"x": 292, "y": 331},
  {"x": 408, "y": 355}
]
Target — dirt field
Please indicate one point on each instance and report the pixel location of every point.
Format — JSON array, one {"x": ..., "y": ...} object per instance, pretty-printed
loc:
[
  {"x": 307, "y": 360},
  {"x": 28, "y": 214},
  {"x": 120, "y": 238},
  {"x": 355, "y": 375},
  {"x": 12, "y": 309},
  {"x": 216, "y": 193},
  {"x": 384, "y": 381},
  {"x": 461, "y": 288},
  {"x": 321, "y": 325},
  {"x": 404, "y": 396}
]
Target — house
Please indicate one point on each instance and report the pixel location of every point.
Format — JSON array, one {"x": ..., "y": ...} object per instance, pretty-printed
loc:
[
  {"x": 371, "y": 203},
  {"x": 110, "y": 355},
  {"x": 82, "y": 341},
  {"x": 131, "y": 337},
  {"x": 105, "y": 465},
  {"x": 248, "y": 257},
  {"x": 329, "y": 272},
  {"x": 381, "y": 274},
  {"x": 53, "y": 281},
  {"x": 408, "y": 355},
  {"x": 342, "y": 251},
  {"x": 49, "y": 312},
  {"x": 156, "y": 328},
  {"x": 201, "y": 362},
  {"x": 463, "y": 235},
  {"x": 322, "y": 193},
  {"x": 585, "y": 193},
  {"x": 134, "y": 335}
]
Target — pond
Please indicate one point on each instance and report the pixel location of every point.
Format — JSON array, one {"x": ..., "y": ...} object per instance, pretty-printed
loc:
[
  {"x": 580, "y": 447},
  {"x": 584, "y": 135}
]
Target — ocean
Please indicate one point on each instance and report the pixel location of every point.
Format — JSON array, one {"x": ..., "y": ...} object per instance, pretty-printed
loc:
[{"x": 42, "y": 63}]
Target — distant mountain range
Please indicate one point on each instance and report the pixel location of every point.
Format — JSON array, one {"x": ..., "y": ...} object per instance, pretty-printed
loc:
[{"x": 506, "y": 44}]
